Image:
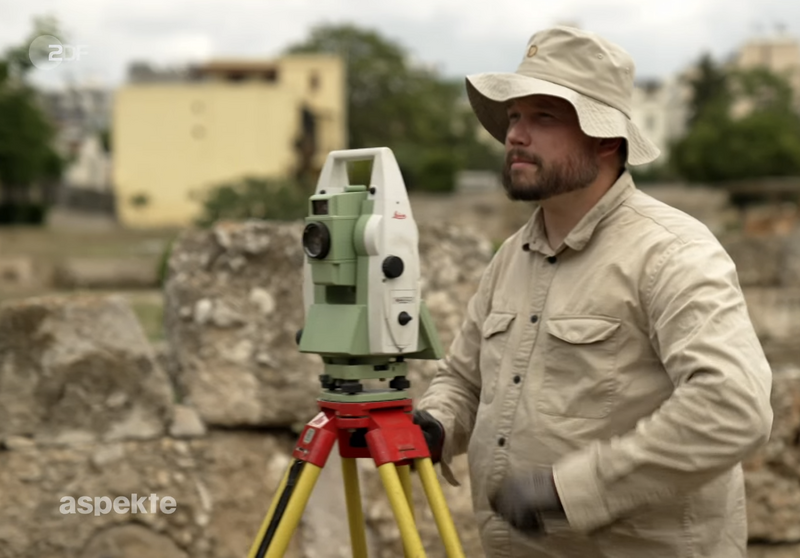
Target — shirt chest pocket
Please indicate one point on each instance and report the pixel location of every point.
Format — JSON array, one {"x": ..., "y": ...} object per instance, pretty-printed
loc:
[
  {"x": 495, "y": 332},
  {"x": 579, "y": 366}
]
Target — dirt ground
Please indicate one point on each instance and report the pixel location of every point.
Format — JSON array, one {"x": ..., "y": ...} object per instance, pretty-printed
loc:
[{"x": 41, "y": 251}]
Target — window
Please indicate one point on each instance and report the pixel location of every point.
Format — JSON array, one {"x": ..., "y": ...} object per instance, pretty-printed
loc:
[{"x": 314, "y": 81}]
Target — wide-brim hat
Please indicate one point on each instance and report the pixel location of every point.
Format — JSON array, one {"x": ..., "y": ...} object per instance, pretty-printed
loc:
[{"x": 594, "y": 75}]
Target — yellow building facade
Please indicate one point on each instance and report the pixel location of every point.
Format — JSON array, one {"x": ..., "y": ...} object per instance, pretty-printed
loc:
[
  {"x": 172, "y": 141},
  {"x": 780, "y": 55}
]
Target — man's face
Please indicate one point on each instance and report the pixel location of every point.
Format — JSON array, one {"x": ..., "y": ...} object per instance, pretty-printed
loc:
[{"x": 547, "y": 153}]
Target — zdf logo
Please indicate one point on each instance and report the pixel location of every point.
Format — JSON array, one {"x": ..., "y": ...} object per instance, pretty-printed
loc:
[{"x": 46, "y": 52}]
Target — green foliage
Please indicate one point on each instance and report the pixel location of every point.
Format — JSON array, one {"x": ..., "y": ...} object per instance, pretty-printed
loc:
[
  {"x": 27, "y": 213},
  {"x": 26, "y": 136},
  {"x": 709, "y": 89},
  {"x": 151, "y": 317},
  {"x": 105, "y": 139},
  {"x": 721, "y": 145},
  {"x": 420, "y": 116},
  {"x": 162, "y": 270},
  {"x": 757, "y": 145},
  {"x": 17, "y": 58},
  {"x": 767, "y": 91},
  {"x": 376, "y": 71},
  {"x": 359, "y": 172},
  {"x": 254, "y": 198},
  {"x": 653, "y": 173}
]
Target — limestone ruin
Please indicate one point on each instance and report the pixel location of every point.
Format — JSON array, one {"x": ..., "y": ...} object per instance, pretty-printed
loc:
[{"x": 89, "y": 408}]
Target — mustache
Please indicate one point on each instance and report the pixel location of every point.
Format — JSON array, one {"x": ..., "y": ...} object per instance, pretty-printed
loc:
[{"x": 521, "y": 155}]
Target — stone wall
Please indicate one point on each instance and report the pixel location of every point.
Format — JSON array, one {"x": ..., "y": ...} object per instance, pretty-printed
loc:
[
  {"x": 78, "y": 370},
  {"x": 234, "y": 304},
  {"x": 87, "y": 407},
  {"x": 769, "y": 273}
]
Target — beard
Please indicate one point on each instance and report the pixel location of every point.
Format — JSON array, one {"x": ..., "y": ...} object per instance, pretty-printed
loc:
[{"x": 576, "y": 172}]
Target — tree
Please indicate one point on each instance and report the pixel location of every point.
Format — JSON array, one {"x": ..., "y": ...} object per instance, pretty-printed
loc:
[
  {"x": 744, "y": 126},
  {"x": 25, "y": 133},
  {"x": 709, "y": 88},
  {"x": 26, "y": 152},
  {"x": 420, "y": 116}
]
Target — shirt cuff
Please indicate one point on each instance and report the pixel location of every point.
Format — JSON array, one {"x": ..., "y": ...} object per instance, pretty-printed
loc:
[{"x": 580, "y": 492}]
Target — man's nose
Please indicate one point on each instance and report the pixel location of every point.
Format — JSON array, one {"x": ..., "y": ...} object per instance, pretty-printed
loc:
[{"x": 517, "y": 134}]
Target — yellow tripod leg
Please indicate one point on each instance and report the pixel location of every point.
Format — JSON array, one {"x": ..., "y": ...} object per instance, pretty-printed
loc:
[
  {"x": 280, "y": 534},
  {"x": 402, "y": 511},
  {"x": 404, "y": 472},
  {"x": 268, "y": 519},
  {"x": 355, "y": 513},
  {"x": 444, "y": 522}
]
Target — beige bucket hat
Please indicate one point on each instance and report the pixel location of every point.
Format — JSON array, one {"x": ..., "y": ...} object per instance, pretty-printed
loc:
[{"x": 593, "y": 74}]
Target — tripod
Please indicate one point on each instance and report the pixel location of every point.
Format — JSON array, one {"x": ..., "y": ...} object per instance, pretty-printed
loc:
[{"x": 381, "y": 430}]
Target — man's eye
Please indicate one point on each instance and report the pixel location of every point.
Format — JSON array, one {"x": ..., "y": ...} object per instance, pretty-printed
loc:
[
  {"x": 545, "y": 115},
  {"x": 513, "y": 115}
]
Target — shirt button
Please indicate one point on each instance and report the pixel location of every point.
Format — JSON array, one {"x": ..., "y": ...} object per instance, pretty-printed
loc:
[
  {"x": 552, "y": 259},
  {"x": 534, "y": 319},
  {"x": 526, "y": 247},
  {"x": 501, "y": 441},
  {"x": 517, "y": 379}
]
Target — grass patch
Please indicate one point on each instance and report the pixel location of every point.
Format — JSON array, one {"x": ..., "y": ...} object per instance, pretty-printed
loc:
[{"x": 151, "y": 316}]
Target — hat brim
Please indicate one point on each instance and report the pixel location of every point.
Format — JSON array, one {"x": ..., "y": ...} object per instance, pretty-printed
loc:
[{"x": 489, "y": 92}]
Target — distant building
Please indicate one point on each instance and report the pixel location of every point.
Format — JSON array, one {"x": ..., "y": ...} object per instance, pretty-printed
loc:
[
  {"x": 780, "y": 54},
  {"x": 91, "y": 168},
  {"x": 180, "y": 132},
  {"x": 77, "y": 112},
  {"x": 660, "y": 110},
  {"x": 81, "y": 116}
]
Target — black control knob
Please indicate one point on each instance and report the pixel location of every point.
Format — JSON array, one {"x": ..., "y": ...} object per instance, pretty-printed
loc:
[
  {"x": 392, "y": 267},
  {"x": 404, "y": 318}
]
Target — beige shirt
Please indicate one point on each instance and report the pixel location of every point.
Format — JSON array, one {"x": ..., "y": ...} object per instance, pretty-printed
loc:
[{"x": 626, "y": 360}]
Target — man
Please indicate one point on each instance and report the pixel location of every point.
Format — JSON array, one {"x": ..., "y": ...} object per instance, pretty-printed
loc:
[{"x": 607, "y": 381}]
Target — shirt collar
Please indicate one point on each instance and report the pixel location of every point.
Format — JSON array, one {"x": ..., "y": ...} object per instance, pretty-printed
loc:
[{"x": 580, "y": 235}]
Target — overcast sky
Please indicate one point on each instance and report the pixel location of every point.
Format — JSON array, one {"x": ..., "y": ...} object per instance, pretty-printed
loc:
[{"x": 457, "y": 36}]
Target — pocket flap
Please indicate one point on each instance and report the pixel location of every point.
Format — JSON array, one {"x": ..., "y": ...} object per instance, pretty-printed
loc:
[
  {"x": 496, "y": 322},
  {"x": 581, "y": 330}
]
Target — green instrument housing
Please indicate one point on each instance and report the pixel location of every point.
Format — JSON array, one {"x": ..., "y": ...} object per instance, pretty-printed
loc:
[{"x": 337, "y": 321}]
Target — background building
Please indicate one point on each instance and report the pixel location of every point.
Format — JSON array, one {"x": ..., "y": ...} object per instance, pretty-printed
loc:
[
  {"x": 779, "y": 54},
  {"x": 174, "y": 138},
  {"x": 659, "y": 108}
]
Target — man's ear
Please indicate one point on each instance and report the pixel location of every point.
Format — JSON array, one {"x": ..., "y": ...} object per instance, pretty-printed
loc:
[{"x": 609, "y": 146}]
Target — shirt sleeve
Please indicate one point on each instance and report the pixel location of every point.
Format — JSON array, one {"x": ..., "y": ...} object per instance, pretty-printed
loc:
[
  {"x": 454, "y": 392},
  {"x": 718, "y": 413}
]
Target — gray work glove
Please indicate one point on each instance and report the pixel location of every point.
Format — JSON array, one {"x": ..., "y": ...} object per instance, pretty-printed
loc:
[
  {"x": 433, "y": 431},
  {"x": 524, "y": 501}
]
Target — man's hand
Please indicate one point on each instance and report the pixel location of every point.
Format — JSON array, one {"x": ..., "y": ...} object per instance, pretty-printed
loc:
[
  {"x": 433, "y": 431},
  {"x": 521, "y": 501}
]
